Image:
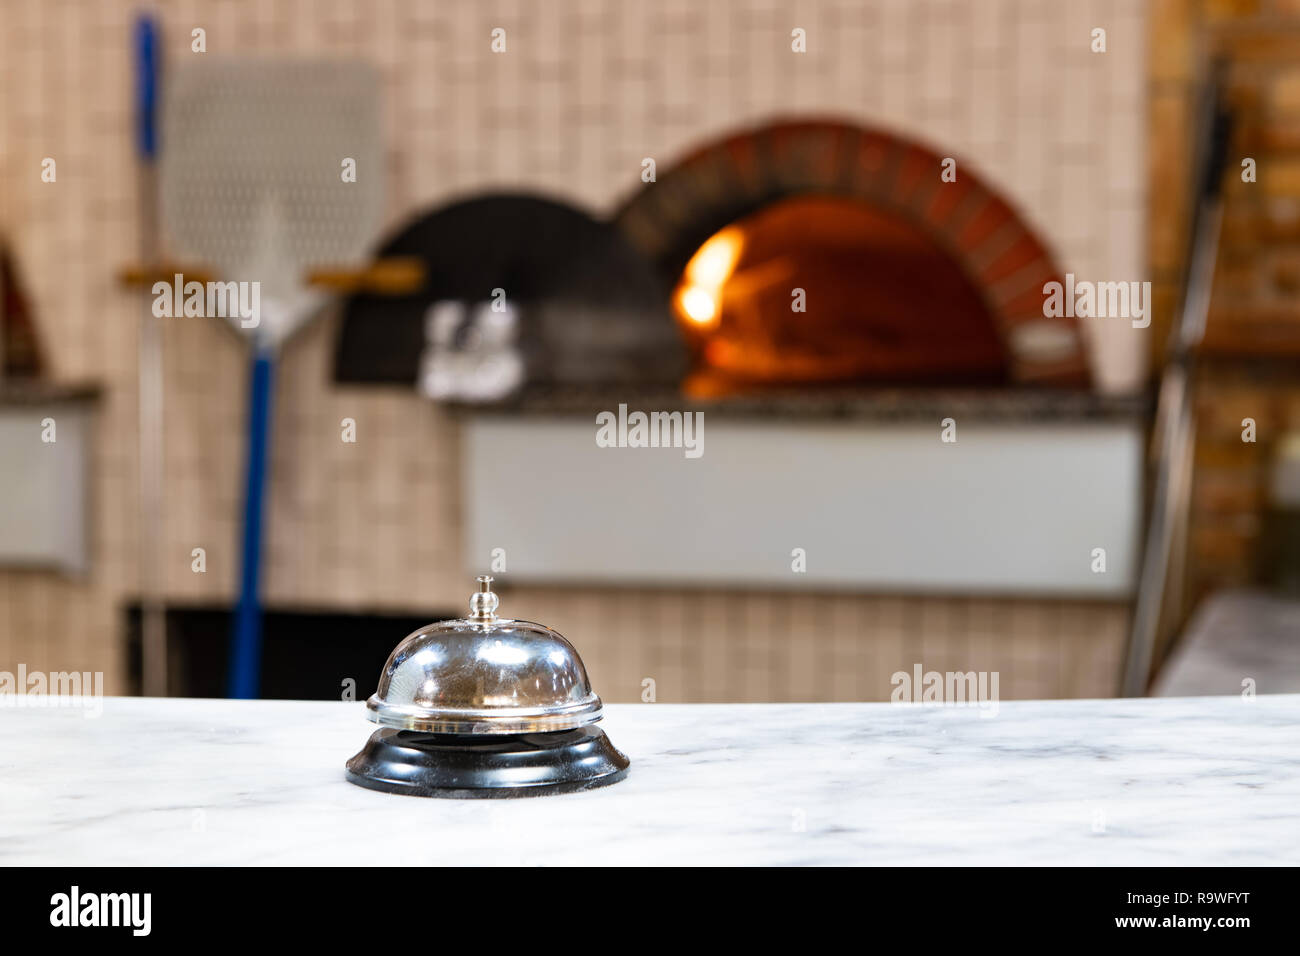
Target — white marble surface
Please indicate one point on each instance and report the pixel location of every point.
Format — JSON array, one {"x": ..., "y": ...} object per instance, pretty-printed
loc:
[
  {"x": 1236, "y": 638},
  {"x": 1157, "y": 781}
]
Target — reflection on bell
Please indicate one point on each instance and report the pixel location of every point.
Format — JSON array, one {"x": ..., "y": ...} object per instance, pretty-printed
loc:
[{"x": 485, "y": 707}]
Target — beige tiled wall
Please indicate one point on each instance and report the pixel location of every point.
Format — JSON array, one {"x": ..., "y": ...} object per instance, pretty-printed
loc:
[
  {"x": 585, "y": 90},
  {"x": 711, "y": 646}
]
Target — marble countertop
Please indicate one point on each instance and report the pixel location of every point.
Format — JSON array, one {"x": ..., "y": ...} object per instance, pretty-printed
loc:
[
  {"x": 1236, "y": 639},
  {"x": 1153, "y": 781}
]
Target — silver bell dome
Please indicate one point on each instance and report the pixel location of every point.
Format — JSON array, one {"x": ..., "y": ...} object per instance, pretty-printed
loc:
[{"x": 484, "y": 675}]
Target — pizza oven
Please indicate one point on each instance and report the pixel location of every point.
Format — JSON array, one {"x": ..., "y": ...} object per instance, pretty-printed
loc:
[{"x": 791, "y": 255}]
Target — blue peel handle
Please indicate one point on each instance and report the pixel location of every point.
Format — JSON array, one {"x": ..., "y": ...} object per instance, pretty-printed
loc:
[
  {"x": 146, "y": 85},
  {"x": 243, "y": 679}
]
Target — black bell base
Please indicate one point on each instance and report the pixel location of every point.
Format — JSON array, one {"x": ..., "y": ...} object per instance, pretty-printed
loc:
[{"x": 488, "y": 766}]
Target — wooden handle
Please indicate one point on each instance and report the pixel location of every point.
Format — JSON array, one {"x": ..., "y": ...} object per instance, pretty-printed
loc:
[
  {"x": 138, "y": 275},
  {"x": 397, "y": 276}
]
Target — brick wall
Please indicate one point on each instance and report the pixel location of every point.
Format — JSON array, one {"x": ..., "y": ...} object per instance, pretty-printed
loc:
[
  {"x": 584, "y": 92},
  {"x": 1253, "y": 334}
]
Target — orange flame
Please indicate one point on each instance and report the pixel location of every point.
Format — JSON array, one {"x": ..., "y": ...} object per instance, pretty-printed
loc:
[{"x": 698, "y": 298}]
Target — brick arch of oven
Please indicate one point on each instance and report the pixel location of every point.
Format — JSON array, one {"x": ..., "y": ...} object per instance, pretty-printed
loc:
[{"x": 733, "y": 177}]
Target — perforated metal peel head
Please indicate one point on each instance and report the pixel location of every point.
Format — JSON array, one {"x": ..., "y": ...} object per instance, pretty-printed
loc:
[{"x": 257, "y": 171}]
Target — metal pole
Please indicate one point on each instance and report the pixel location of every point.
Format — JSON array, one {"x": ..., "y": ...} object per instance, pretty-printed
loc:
[
  {"x": 153, "y": 613},
  {"x": 1174, "y": 434}
]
